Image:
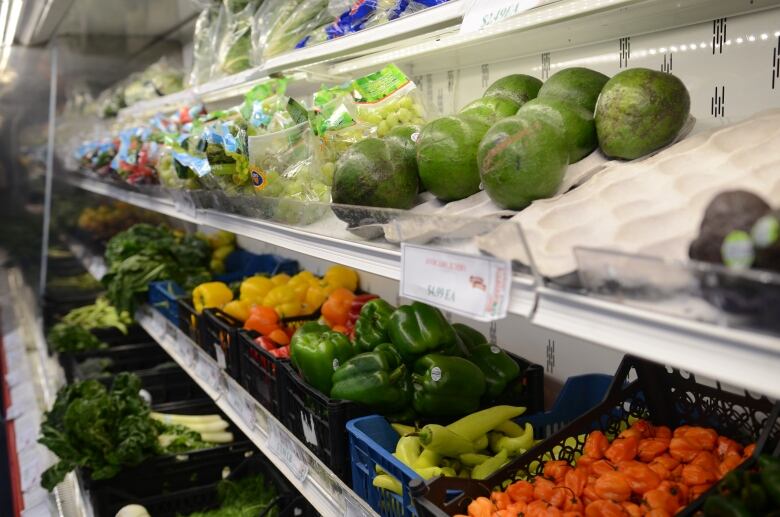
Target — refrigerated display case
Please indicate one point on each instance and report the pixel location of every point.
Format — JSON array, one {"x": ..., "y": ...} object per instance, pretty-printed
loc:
[{"x": 651, "y": 242}]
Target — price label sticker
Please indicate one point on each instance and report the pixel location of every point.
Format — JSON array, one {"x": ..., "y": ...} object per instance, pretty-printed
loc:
[
  {"x": 241, "y": 404},
  {"x": 481, "y": 15},
  {"x": 188, "y": 353},
  {"x": 29, "y": 467},
  {"x": 171, "y": 330},
  {"x": 352, "y": 508},
  {"x": 287, "y": 450},
  {"x": 26, "y": 430},
  {"x": 474, "y": 286},
  {"x": 220, "y": 355}
]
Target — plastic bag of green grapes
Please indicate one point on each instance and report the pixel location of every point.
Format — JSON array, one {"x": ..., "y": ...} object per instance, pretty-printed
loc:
[
  {"x": 281, "y": 168},
  {"x": 387, "y": 98},
  {"x": 335, "y": 129}
]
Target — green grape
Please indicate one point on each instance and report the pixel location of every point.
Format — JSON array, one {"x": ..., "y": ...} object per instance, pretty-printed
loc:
[
  {"x": 392, "y": 120},
  {"x": 371, "y": 117},
  {"x": 404, "y": 115},
  {"x": 418, "y": 122},
  {"x": 382, "y": 129},
  {"x": 419, "y": 110},
  {"x": 406, "y": 102}
]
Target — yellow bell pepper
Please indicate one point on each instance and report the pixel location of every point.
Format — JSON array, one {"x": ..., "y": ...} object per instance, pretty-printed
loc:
[
  {"x": 239, "y": 309},
  {"x": 289, "y": 309},
  {"x": 254, "y": 289},
  {"x": 315, "y": 297},
  {"x": 340, "y": 276},
  {"x": 300, "y": 290},
  {"x": 280, "y": 279},
  {"x": 279, "y": 295},
  {"x": 210, "y": 295}
]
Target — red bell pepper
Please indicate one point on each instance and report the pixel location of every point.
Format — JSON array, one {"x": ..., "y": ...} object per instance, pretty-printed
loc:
[
  {"x": 283, "y": 352},
  {"x": 266, "y": 343}
]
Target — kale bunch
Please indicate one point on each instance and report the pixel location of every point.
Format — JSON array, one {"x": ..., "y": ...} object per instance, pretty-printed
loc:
[{"x": 64, "y": 337}]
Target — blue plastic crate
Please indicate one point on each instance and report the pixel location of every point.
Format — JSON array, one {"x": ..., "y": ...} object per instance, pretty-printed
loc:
[
  {"x": 372, "y": 442},
  {"x": 241, "y": 264},
  {"x": 163, "y": 296}
]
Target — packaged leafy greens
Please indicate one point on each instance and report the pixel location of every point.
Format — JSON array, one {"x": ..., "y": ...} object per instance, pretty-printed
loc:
[
  {"x": 235, "y": 43},
  {"x": 281, "y": 24},
  {"x": 387, "y": 99},
  {"x": 205, "y": 41}
]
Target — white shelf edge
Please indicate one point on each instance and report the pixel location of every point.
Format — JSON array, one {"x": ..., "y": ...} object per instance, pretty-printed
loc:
[
  {"x": 94, "y": 264},
  {"x": 739, "y": 358},
  {"x": 328, "y": 494},
  {"x": 356, "y": 254}
]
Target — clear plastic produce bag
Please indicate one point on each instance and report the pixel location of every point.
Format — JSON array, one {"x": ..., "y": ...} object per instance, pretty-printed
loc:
[
  {"x": 281, "y": 24},
  {"x": 235, "y": 41},
  {"x": 205, "y": 41},
  {"x": 282, "y": 168}
]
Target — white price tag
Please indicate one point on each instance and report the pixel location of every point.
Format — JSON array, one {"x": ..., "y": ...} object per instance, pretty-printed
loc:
[
  {"x": 12, "y": 343},
  {"x": 239, "y": 401},
  {"x": 287, "y": 450},
  {"x": 477, "y": 287},
  {"x": 22, "y": 400},
  {"x": 158, "y": 321},
  {"x": 481, "y": 15},
  {"x": 29, "y": 468},
  {"x": 26, "y": 429},
  {"x": 188, "y": 353},
  {"x": 171, "y": 330}
]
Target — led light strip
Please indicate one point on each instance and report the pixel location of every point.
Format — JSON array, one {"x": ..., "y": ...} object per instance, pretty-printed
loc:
[{"x": 10, "y": 10}]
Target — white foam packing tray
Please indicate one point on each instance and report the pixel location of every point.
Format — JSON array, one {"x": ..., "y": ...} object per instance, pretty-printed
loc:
[{"x": 650, "y": 207}]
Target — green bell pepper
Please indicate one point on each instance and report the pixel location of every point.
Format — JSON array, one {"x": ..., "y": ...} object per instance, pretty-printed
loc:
[
  {"x": 470, "y": 337},
  {"x": 770, "y": 476},
  {"x": 497, "y": 366},
  {"x": 317, "y": 353},
  {"x": 375, "y": 379},
  {"x": 446, "y": 386},
  {"x": 371, "y": 325},
  {"x": 419, "y": 329}
]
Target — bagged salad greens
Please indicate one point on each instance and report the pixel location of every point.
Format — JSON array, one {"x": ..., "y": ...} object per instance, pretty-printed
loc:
[
  {"x": 235, "y": 42},
  {"x": 281, "y": 24},
  {"x": 387, "y": 99}
]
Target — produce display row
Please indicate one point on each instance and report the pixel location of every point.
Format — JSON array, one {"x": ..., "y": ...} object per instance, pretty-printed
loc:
[
  {"x": 352, "y": 354},
  {"x": 535, "y": 151}
]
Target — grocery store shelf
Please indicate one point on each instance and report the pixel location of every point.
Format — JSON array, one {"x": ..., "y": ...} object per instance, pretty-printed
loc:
[
  {"x": 749, "y": 360},
  {"x": 328, "y": 494},
  {"x": 372, "y": 258},
  {"x": 92, "y": 263},
  {"x": 742, "y": 358}
]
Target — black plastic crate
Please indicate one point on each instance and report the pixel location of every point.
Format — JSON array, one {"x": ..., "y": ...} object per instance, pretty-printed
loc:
[
  {"x": 174, "y": 471},
  {"x": 191, "y": 323},
  {"x": 132, "y": 357},
  {"x": 113, "y": 336},
  {"x": 202, "y": 495},
  {"x": 219, "y": 332},
  {"x": 170, "y": 384},
  {"x": 661, "y": 395},
  {"x": 317, "y": 420},
  {"x": 259, "y": 372},
  {"x": 527, "y": 390}
]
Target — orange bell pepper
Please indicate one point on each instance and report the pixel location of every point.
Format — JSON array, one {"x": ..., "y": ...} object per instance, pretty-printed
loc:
[
  {"x": 262, "y": 319},
  {"x": 335, "y": 310}
]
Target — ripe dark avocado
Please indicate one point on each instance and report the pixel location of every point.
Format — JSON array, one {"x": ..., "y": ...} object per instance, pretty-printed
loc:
[
  {"x": 640, "y": 111},
  {"x": 520, "y": 88}
]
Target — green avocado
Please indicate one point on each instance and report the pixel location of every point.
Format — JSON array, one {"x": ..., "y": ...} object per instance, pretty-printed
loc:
[
  {"x": 447, "y": 156},
  {"x": 575, "y": 121},
  {"x": 522, "y": 158},
  {"x": 518, "y": 87},
  {"x": 640, "y": 111},
  {"x": 491, "y": 109},
  {"x": 374, "y": 173},
  {"x": 403, "y": 138},
  {"x": 580, "y": 86}
]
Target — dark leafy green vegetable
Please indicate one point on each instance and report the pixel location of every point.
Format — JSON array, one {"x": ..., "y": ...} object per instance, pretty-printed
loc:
[
  {"x": 72, "y": 338},
  {"x": 145, "y": 254},
  {"x": 99, "y": 429},
  {"x": 176, "y": 439}
]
